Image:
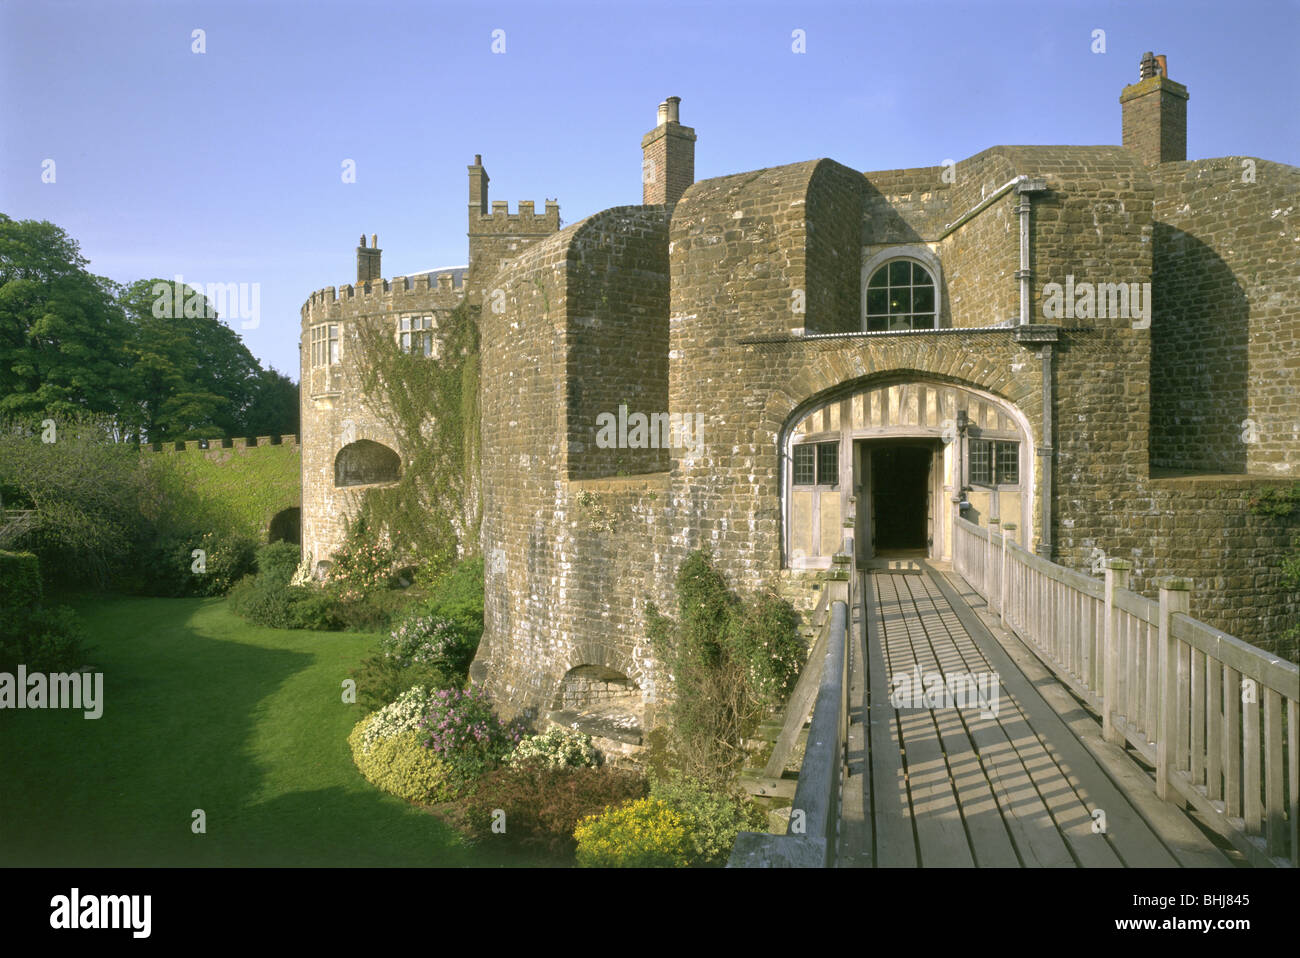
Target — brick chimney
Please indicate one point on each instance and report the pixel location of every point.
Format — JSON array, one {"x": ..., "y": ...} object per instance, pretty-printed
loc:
[
  {"x": 668, "y": 164},
  {"x": 1155, "y": 113},
  {"x": 478, "y": 188},
  {"x": 368, "y": 259}
]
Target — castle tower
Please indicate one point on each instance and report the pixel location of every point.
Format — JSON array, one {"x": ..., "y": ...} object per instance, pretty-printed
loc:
[
  {"x": 668, "y": 157},
  {"x": 368, "y": 267},
  {"x": 1155, "y": 114},
  {"x": 496, "y": 235}
]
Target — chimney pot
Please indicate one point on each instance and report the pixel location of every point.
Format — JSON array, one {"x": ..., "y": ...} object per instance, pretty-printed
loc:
[
  {"x": 374, "y": 240},
  {"x": 478, "y": 159},
  {"x": 663, "y": 113},
  {"x": 673, "y": 103},
  {"x": 1164, "y": 65}
]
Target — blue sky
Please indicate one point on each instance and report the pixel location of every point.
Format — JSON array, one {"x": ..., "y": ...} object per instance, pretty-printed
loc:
[{"x": 226, "y": 166}]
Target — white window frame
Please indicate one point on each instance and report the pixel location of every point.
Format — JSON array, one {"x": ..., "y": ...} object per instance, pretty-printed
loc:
[{"x": 923, "y": 257}]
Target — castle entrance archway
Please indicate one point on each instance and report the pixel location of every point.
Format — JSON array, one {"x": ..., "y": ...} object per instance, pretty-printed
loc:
[{"x": 881, "y": 467}]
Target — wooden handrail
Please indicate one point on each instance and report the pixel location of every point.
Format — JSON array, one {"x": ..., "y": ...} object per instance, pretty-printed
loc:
[{"x": 1206, "y": 708}]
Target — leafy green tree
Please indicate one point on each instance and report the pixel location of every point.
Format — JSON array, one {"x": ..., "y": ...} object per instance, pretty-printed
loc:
[
  {"x": 61, "y": 331},
  {"x": 193, "y": 376},
  {"x": 274, "y": 408}
]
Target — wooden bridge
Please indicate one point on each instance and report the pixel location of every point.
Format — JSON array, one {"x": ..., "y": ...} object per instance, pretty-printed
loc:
[{"x": 1009, "y": 712}]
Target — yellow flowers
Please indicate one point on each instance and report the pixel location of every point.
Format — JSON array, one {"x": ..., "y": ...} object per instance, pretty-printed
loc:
[{"x": 645, "y": 834}]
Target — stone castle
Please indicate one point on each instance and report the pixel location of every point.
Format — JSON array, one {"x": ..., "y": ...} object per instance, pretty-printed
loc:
[{"x": 1099, "y": 344}]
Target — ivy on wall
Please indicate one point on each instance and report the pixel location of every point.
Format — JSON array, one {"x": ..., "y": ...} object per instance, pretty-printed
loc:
[{"x": 431, "y": 514}]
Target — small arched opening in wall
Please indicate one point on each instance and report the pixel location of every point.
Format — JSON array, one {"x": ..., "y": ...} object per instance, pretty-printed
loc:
[
  {"x": 364, "y": 463},
  {"x": 286, "y": 526},
  {"x": 883, "y": 466},
  {"x": 603, "y": 702}
]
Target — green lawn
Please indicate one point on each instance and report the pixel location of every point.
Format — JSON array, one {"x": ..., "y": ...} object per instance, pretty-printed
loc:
[{"x": 203, "y": 710}]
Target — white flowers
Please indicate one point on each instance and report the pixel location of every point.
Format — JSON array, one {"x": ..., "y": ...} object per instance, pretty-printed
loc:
[
  {"x": 403, "y": 715},
  {"x": 557, "y": 747}
]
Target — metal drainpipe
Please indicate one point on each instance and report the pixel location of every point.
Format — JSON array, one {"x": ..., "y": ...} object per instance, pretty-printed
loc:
[
  {"x": 1023, "y": 273},
  {"x": 1026, "y": 187}
]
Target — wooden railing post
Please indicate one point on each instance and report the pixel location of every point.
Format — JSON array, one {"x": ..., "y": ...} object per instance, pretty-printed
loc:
[
  {"x": 1117, "y": 571},
  {"x": 1008, "y": 533},
  {"x": 988, "y": 563},
  {"x": 1175, "y": 596}
]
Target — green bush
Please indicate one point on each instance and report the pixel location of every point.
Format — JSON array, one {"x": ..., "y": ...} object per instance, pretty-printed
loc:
[
  {"x": 265, "y": 603},
  {"x": 767, "y": 638},
  {"x": 645, "y": 834},
  {"x": 712, "y": 818},
  {"x": 458, "y": 595},
  {"x": 544, "y": 804},
  {"x": 227, "y": 559},
  {"x": 277, "y": 562},
  {"x": 20, "y": 582},
  {"x": 44, "y": 640},
  {"x": 368, "y": 613},
  {"x": 728, "y": 659},
  {"x": 381, "y": 680},
  {"x": 402, "y": 766}
]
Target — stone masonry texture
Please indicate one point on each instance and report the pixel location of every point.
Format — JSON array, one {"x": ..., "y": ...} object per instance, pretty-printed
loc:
[{"x": 741, "y": 303}]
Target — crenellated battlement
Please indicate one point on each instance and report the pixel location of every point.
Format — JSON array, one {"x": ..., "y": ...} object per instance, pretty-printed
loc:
[
  {"x": 438, "y": 283},
  {"x": 525, "y": 221},
  {"x": 207, "y": 445}
]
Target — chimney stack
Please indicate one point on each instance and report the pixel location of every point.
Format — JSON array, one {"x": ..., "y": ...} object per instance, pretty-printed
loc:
[
  {"x": 668, "y": 157},
  {"x": 1155, "y": 113},
  {"x": 368, "y": 260},
  {"x": 478, "y": 188}
]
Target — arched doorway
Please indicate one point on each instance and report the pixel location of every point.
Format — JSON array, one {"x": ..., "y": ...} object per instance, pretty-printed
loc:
[{"x": 883, "y": 467}]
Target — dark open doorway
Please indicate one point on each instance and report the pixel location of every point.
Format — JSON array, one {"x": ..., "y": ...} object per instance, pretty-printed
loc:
[{"x": 900, "y": 481}]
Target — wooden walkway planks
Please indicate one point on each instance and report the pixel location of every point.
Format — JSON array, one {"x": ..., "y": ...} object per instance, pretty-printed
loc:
[{"x": 961, "y": 786}]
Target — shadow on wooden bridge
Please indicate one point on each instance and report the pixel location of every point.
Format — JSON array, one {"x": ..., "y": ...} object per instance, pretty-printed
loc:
[{"x": 961, "y": 749}]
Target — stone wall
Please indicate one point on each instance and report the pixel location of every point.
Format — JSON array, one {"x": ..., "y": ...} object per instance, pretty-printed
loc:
[
  {"x": 616, "y": 338},
  {"x": 1226, "y": 331},
  {"x": 335, "y": 410}
]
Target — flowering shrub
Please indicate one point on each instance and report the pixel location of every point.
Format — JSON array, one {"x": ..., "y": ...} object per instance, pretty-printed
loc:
[
  {"x": 463, "y": 731},
  {"x": 422, "y": 639},
  {"x": 401, "y": 766},
  {"x": 644, "y": 834},
  {"x": 768, "y": 640},
  {"x": 557, "y": 747},
  {"x": 406, "y": 714},
  {"x": 360, "y": 568},
  {"x": 543, "y": 804}
]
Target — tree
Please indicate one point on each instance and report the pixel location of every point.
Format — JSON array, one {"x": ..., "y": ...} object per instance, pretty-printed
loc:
[
  {"x": 61, "y": 331},
  {"x": 193, "y": 376},
  {"x": 274, "y": 408}
]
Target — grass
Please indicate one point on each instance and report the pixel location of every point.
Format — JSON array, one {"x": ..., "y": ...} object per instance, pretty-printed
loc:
[
  {"x": 242, "y": 488},
  {"x": 203, "y": 710}
]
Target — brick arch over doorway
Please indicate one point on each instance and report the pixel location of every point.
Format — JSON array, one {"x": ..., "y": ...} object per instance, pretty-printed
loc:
[{"x": 883, "y": 464}]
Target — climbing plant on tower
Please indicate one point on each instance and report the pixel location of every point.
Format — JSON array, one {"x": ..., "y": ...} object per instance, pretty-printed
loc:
[{"x": 430, "y": 403}]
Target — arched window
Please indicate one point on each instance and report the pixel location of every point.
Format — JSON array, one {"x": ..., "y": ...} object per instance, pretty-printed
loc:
[
  {"x": 364, "y": 462},
  {"x": 900, "y": 294}
]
